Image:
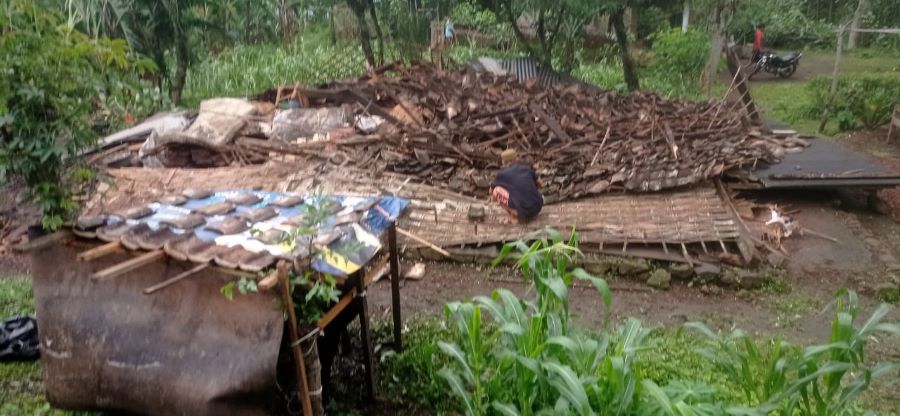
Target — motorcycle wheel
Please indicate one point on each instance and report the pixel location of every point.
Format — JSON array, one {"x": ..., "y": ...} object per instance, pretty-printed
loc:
[{"x": 787, "y": 71}]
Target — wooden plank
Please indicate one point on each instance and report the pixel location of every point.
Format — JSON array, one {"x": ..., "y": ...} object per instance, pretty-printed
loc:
[
  {"x": 235, "y": 272},
  {"x": 181, "y": 276},
  {"x": 375, "y": 271},
  {"x": 268, "y": 282},
  {"x": 734, "y": 65},
  {"x": 422, "y": 241},
  {"x": 100, "y": 251},
  {"x": 44, "y": 241},
  {"x": 745, "y": 243},
  {"x": 395, "y": 286},
  {"x": 299, "y": 364},
  {"x": 336, "y": 310},
  {"x": 129, "y": 265}
]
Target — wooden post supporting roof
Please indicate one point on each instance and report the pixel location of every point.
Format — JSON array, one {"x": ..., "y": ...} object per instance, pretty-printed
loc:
[{"x": 299, "y": 364}]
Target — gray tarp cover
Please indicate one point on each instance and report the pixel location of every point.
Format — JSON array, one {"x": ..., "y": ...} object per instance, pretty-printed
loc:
[{"x": 185, "y": 350}]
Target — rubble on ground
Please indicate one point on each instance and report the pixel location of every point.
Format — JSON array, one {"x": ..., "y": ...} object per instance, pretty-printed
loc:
[{"x": 448, "y": 128}]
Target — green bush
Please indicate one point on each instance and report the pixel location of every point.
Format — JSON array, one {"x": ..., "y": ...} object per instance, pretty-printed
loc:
[
  {"x": 247, "y": 70},
  {"x": 652, "y": 20},
  {"x": 865, "y": 100},
  {"x": 680, "y": 53},
  {"x": 58, "y": 89}
]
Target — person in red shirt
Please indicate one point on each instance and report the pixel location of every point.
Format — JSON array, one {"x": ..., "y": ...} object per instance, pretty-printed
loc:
[{"x": 758, "y": 42}]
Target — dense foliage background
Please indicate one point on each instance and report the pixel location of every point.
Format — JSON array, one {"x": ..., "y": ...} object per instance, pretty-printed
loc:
[{"x": 76, "y": 69}]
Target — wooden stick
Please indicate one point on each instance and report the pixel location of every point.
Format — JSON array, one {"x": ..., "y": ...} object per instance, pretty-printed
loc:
[
  {"x": 377, "y": 271},
  {"x": 234, "y": 272},
  {"x": 804, "y": 231},
  {"x": 169, "y": 282},
  {"x": 423, "y": 241},
  {"x": 129, "y": 265},
  {"x": 99, "y": 251},
  {"x": 268, "y": 282},
  {"x": 299, "y": 365},
  {"x": 44, "y": 241},
  {"x": 336, "y": 309}
]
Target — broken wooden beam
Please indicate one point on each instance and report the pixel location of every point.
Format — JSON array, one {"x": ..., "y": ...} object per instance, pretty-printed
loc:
[
  {"x": 129, "y": 265},
  {"x": 100, "y": 251},
  {"x": 181, "y": 276},
  {"x": 421, "y": 240}
]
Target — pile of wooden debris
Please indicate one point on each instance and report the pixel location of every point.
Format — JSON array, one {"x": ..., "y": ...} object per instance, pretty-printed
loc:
[{"x": 449, "y": 129}]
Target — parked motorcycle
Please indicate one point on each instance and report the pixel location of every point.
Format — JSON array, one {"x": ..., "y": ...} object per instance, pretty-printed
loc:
[{"x": 783, "y": 66}]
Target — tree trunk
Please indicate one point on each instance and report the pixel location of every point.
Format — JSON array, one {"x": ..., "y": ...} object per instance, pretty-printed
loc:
[
  {"x": 834, "y": 76},
  {"x": 378, "y": 34},
  {"x": 247, "y": 15},
  {"x": 359, "y": 10},
  {"x": 182, "y": 58},
  {"x": 853, "y": 38},
  {"x": 617, "y": 20},
  {"x": 685, "y": 16},
  {"x": 333, "y": 28},
  {"x": 286, "y": 21},
  {"x": 506, "y": 7},
  {"x": 541, "y": 32},
  {"x": 182, "y": 53},
  {"x": 717, "y": 41}
]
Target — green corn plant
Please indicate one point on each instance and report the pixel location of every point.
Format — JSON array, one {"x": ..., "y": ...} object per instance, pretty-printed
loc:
[
  {"x": 745, "y": 365},
  {"x": 818, "y": 380},
  {"x": 528, "y": 361},
  {"x": 831, "y": 376}
]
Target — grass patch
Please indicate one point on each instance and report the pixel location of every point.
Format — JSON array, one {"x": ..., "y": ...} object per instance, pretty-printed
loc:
[
  {"x": 15, "y": 296},
  {"x": 788, "y": 102},
  {"x": 792, "y": 101},
  {"x": 248, "y": 70},
  {"x": 21, "y": 391}
]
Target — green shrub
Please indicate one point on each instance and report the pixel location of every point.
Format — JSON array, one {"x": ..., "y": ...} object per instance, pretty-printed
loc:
[
  {"x": 652, "y": 20},
  {"x": 246, "y": 70},
  {"x": 58, "y": 89},
  {"x": 680, "y": 53},
  {"x": 865, "y": 100}
]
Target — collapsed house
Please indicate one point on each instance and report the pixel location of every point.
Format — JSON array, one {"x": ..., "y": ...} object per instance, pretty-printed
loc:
[
  {"x": 626, "y": 171},
  {"x": 405, "y": 149}
]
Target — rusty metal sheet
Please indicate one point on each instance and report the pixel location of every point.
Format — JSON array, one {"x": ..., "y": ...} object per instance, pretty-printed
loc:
[
  {"x": 186, "y": 350},
  {"x": 824, "y": 164}
]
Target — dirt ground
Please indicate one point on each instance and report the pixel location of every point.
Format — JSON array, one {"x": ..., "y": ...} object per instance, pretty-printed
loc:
[{"x": 810, "y": 65}]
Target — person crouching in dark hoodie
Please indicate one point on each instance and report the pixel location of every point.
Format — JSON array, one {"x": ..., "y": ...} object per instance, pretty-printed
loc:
[{"x": 517, "y": 189}]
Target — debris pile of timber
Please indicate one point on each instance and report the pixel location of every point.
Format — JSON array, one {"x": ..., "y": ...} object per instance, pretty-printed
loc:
[
  {"x": 451, "y": 127},
  {"x": 448, "y": 128}
]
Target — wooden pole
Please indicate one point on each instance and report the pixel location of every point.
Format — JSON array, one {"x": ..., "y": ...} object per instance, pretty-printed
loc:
[
  {"x": 300, "y": 366},
  {"x": 395, "y": 287},
  {"x": 129, "y": 265},
  {"x": 181, "y": 276},
  {"x": 99, "y": 251},
  {"x": 366, "y": 335},
  {"x": 422, "y": 241},
  {"x": 834, "y": 77}
]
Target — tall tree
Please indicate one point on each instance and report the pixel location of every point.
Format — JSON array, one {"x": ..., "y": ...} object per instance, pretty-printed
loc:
[
  {"x": 558, "y": 26},
  {"x": 359, "y": 8},
  {"x": 617, "y": 20},
  {"x": 862, "y": 8}
]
